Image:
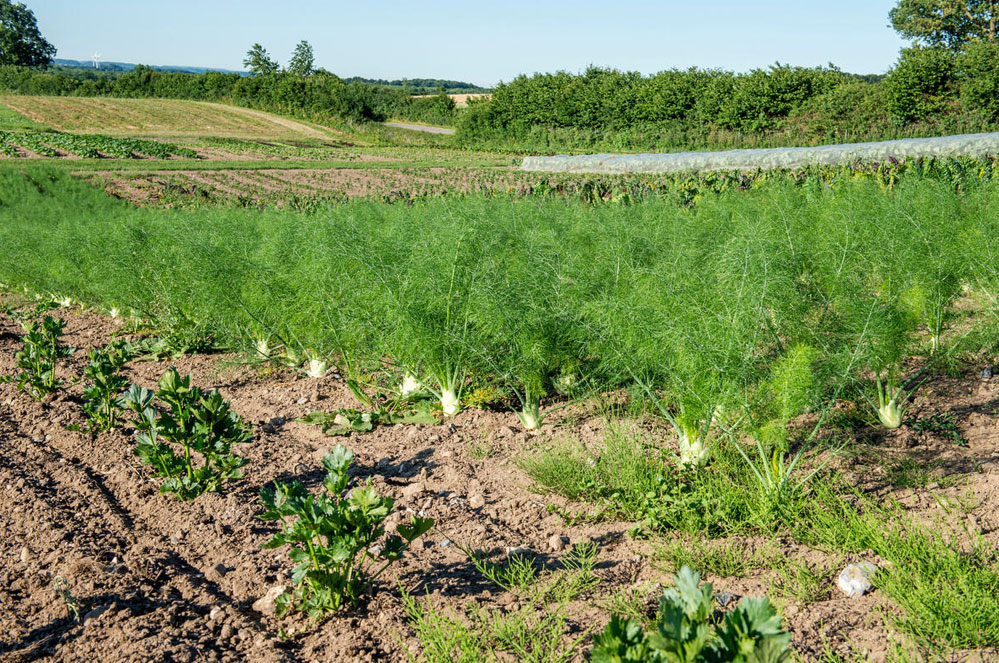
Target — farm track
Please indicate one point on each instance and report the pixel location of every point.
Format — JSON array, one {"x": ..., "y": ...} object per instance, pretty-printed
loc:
[
  {"x": 82, "y": 508},
  {"x": 420, "y": 127},
  {"x": 298, "y": 127}
]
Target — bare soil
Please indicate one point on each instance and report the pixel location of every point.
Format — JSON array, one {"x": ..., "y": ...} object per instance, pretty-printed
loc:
[{"x": 159, "y": 580}]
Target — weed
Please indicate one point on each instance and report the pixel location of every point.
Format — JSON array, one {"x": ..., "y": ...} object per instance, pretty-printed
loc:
[
  {"x": 802, "y": 582},
  {"x": 631, "y": 478},
  {"x": 520, "y": 574},
  {"x": 481, "y": 447},
  {"x": 531, "y": 633},
  {"x": 630, "y": 602},
  {"x": 943, "y": 425},
  {"x": 945, "y": 595},
  {"x": 720, "y": 558},
  {"x": 910, "y": 473}
]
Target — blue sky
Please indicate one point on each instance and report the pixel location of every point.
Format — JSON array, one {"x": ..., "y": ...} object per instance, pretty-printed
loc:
[{"x": 479, "y": 42}]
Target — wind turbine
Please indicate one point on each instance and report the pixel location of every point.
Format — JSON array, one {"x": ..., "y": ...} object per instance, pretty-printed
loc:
[{"x": 97, "y": 60}]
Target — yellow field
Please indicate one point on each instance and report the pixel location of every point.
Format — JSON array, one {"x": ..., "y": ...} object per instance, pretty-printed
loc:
[
  {"x": 157, "y": 117},
  {"x": 460, "y": 100}
]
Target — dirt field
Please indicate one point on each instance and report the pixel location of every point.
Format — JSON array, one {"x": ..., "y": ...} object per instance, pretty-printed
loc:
[
  {"x": 155, "y": 579},
  {"x": 157, "y": 117},
  {"x": 181, "y": 188},
  {"x": 460, "y": 100}
]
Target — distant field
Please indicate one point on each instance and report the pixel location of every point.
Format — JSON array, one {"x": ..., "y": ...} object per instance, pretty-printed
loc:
[
  {"x": 157, "y": 117},
  {"x": 460, "y": 100}
]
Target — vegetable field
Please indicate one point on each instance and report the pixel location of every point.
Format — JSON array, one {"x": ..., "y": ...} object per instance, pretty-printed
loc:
[
  {"x": 312, "y": 185},
  {"x": 493, "y": 427},
  {"x": 52, "y": 144}
]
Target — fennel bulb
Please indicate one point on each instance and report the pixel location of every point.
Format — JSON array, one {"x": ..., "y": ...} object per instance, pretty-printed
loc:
[
  {"x": 450, "y": 403},
  {"x": 410, "y": 385},
  {"x": 315, "y": 367},
  {"x": 693, "y": 450},
  {"x": 530, "y": 416}
]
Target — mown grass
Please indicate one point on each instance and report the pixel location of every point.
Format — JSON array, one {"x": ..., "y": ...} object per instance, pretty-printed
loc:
[
  {"x": 11, "y": 120},
  {"x": 153, "y": 117}
]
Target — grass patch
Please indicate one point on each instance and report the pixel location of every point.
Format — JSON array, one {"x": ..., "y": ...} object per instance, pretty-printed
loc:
[
  {"x": 804, "y": 583},
  {"x": 537, "y": 630},
  {"x": 630, "y": 475},
  {"x": 946, "y": 596},
  {"x": 726, "y": 559},
  {"x": 11, "y": 120},
  {"x": 482, "y": 635}
]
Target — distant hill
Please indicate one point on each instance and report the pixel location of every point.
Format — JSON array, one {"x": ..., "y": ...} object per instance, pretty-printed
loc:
[
  {"x": 85, "y": 69},
  {"x": 122, "y": 67}
]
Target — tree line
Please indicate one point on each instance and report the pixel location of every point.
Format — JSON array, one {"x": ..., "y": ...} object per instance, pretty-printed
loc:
[{"x": 947, "y": 81}]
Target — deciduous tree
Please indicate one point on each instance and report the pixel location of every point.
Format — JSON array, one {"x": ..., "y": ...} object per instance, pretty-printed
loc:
[
  {"x": 302, "y": 60},
  {"x": 20, "y": 41},
  {"x": 947, "y": 23},
  {"x": 259, "y": 61}
]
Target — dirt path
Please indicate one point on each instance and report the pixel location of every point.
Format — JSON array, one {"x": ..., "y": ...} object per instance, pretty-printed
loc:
[{"x": 420, "y": 127}]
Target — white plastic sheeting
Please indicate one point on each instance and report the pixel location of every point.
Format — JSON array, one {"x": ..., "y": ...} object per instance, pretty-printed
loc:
[{"x": 777, "y": 157}]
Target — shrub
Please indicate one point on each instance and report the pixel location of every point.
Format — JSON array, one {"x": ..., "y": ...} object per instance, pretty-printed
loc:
[
  {"x": 855, "y": 108},
  {"x": 918, "y": 83},
  {"x": 979, "y": 66}
]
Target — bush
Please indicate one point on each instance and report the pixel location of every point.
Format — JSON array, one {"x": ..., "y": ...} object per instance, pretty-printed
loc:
[
  {"x": 979, "y": 66},
  {"x": 760, "y": 98},
  {"x": 850, "y": 109},
  {"x": 919, "y": 82}
]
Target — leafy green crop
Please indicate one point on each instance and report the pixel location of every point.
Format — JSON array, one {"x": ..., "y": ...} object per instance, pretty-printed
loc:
[
  {"x": 102, "y": 398},
  {"x": 45, "y": 144},
  {"x": 38, "y": 357},
  {"x": 687, "y": 633},
  {"x": 333, "y": 537},
  {"x": 198, "y": 422}
]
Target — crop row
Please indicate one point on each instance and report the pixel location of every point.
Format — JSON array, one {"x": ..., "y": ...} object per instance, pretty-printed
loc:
[
  {"x": 45, "y": 144},
  {"x": 315, "y": 189},
  {"x": 700, "y": 311},
  {"x": 332, "y": 534}
]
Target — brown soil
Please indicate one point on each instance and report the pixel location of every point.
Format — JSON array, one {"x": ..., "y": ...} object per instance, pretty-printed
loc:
[
  {"x": 460, "y": 99},
  {"x": 160, "y": 580},
  {"x": 220, "y": 154}
]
